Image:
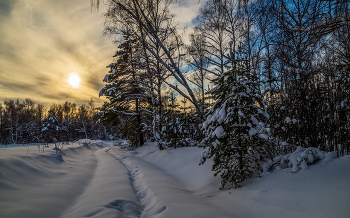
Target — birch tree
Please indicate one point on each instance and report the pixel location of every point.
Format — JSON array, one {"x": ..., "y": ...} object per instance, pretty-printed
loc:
[{"x": 137, "y": 15}]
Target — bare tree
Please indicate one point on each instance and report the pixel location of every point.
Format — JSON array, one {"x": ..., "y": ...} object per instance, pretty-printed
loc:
[
  {"x": 213, "y": 25},
  {"x": 199, "y": 62},
  {"x": 138, "y": 16}
]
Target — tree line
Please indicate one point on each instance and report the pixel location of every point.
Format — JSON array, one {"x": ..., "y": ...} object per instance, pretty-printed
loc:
[
  {"x": 258, "y": 78},
  {"x": 27, "y": 122}
]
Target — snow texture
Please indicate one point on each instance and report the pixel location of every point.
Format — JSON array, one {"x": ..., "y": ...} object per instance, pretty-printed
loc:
[
  {"x": 219, "y": 131},
  {"x": 97, "y": 179}
]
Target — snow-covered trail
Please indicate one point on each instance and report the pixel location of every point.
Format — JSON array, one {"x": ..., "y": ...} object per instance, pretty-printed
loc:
[
  {"x": 161, "y": 194},
  {"x": 124, "y": 185},
  {"x": 109, "y": 193}
]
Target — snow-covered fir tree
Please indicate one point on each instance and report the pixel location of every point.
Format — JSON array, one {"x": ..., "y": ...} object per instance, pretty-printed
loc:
[
  {"x": 235, "y": 126},
  {"x": 125, "y": 90},
  {"x": 171, "y": 124},
  {"x": 50, "y": 130}
]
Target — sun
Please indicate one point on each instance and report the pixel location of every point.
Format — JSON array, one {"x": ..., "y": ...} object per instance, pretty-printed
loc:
[{"x": 74, "y": 81}]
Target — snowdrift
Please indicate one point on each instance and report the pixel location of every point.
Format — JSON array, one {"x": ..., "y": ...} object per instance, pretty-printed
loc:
[
  {"x": 320, "y": 190},
  {"x": 34, "y": 184},
  {"x": 97, "y": 179}
]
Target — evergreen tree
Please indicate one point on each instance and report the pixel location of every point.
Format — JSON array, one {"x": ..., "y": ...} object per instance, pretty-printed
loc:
[
  {"x": 171, "y": 124},
  {"x": 235, "y": 126},
  {"x": 50, "y": 130},
  {"x": 125, "y": 90}
]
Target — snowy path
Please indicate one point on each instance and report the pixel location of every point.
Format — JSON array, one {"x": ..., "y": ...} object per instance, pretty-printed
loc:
[
  {"x": 178, "y": 183},
  {"x": 124, "y": 185},
  {"x": 161, "y": 194},
  {"x": 109, "y": 193}
]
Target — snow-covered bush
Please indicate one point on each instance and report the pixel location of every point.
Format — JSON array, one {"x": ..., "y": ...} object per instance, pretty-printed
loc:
[
  {"x": 172, "y": 130},
  {"x": 123, "y": 144},
  {"x": 301, "y": 158},
  {"x": 175, "y": 133}
]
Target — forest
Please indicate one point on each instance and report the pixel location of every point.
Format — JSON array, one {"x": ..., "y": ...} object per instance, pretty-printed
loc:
[
  {"x": 27, "y": 122},
  {"x": 253, "y": 81}
]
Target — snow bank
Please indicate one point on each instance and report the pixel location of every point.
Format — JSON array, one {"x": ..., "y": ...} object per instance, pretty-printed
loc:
[
  {"x": 182, "y": 164},
  {"x": 35, "y": 185},
  {"x": 301, "y": 158},
  {"x": 321, "y": 191}
]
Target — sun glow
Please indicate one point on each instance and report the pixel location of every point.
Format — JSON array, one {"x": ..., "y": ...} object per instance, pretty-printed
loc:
[{"x": 74, "y": 81}]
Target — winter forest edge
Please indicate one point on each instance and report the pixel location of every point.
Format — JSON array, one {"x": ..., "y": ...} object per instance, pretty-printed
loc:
[{"x": 260, "y": 85}]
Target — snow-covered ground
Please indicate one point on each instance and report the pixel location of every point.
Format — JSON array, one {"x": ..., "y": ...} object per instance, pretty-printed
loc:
[{"x": 95, "y": 179}]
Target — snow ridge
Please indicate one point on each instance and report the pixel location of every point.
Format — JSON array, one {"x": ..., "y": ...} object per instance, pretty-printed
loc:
[{"x": 143, "y": 193}]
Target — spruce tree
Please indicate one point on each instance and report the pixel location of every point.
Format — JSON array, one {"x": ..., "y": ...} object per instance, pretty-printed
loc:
[
  {"x": 171, "y": 124},
  {"x": 125, "y": 90},
  {"x": 235, "y": 126},
  {"x": 50, "y": 130}
]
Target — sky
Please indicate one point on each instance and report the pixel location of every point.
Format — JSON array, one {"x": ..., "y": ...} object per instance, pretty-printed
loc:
[{"x": 44, "y": 42}]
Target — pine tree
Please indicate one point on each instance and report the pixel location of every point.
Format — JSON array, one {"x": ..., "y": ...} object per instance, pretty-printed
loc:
[{"x": 235, "y": 126}]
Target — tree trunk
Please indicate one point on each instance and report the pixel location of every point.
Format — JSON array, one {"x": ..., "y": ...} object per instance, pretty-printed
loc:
[{"x": 138, "y": 116}]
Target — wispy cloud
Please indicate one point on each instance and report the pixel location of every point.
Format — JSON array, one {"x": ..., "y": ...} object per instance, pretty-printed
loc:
[
  {"x": 187, "y": 11},
  {"x": 43, "y": 42}
]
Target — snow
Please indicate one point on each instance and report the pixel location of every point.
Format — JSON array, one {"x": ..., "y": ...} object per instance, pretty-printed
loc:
[
  {"x": 287, "y": 120},
  {"x": 295, "y": 168},
  {"x": 209, "y": 118},
  {"x": 222, "y": 115},
  {"x": 254, "y": 120},
  {"x": 219, "y": 131},
  {"x": 101, "y": 93},
  {"x": 252, "y": 132},
  {"x": 284, "y": 144},
  {"x": 263, "y": 136},
  {"x": 241, "y": 113},
  {"x": 99, "y": 199},
  {"x": 97, "y": 179},
  {"x": 243, "y": 94},
  {"x": 34, "y": 184},
  {"x": 205, "y": 124}
]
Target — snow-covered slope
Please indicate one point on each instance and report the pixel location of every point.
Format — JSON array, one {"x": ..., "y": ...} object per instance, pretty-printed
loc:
[
  {"x": 35, "y": 185},
  {"x": 98, "y": 180},
  {"x": 323, "y": 190}
]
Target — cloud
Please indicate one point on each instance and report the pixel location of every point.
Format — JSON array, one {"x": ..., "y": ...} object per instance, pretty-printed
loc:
[
  {"x": 187, "y": 11},
  {"x": 5, "y": 7},
  {"x": 44, "y": 41}
]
